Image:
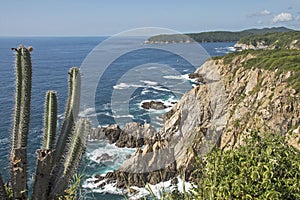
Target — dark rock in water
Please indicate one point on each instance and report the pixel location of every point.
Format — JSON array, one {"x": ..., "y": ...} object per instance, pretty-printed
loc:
[
  {"x": 193, "y": 75},
  {"x": 104, "y": 157},
  {"x": 97, "y": 134},
  {"x": 98, "y": 176},
  {"x": 199, "y": 78},
  {"x": 133, "y": 135},
  {"x": 157, "y": 105},
  {"x": 110, "y": 175},
  {"x": 112, "y": 133},
  {"x": 101, "y": 185}
]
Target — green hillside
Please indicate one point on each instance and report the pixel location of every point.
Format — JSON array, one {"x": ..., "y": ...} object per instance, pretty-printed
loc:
[{"x": 214, "y": 36}]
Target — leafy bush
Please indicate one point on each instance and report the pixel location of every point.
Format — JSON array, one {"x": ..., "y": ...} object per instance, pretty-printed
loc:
[{"x": 265, "y": 168}]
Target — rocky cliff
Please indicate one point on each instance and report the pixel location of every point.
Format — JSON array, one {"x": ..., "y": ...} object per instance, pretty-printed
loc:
[{"x": 234, "y": 101}]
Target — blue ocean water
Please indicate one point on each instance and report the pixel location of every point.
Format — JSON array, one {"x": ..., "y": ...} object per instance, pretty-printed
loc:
[{"x": 53, "y": 56}]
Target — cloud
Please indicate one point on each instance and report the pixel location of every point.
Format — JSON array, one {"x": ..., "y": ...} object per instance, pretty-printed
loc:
[
  {"x": 265, "y": 12},
  {"x": 261, "y": 13},
  {"x": 283, "y": 17}
]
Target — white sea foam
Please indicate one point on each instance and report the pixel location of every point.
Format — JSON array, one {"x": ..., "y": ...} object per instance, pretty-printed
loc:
[
  {"x": 88, "y": 112},
  {"x": 118, "y": 154},
  {"x": 122, "y": 86},
  {"x": 157, "y": 189},
  {"x": 224, "y": 49},
  {"x": 147, "y": 82},
  {"x": 179, "y": 77}
]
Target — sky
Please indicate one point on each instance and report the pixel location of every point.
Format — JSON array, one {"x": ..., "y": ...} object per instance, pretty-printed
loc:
[{"x": 110, "y": 17}]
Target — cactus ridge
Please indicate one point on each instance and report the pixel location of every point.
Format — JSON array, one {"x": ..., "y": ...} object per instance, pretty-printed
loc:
[{"x": 50, "y": 120}]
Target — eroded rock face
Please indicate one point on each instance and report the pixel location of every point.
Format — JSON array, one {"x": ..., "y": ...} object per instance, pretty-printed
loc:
[
  {"x": 136, "y": 135},
  {"x": 131, "y": 136}
]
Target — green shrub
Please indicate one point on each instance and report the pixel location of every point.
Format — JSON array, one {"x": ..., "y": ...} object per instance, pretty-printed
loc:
[{"x": 265, "y": 168}]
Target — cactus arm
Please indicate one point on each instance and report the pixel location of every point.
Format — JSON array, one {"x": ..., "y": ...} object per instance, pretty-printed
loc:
[
  {"x": 18, "y": 95},
  {"x": 75, "y": 152},
  {"x": 42, "y": 174},
  {"x": 50, "y": 120},
  {"x": 71, "y": 113},
  {"x": 26, "y": 96}
]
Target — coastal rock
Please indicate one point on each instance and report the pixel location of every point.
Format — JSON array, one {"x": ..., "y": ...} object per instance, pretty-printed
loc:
[
  {"x": 112, "y": 133},
  {"x": 135, "y": 135},
  {"x": 157, "y": 105},
  {"x": 198, "y": 77},
  {"x": 131, "y": 136},
  {"x": 104, "y": 157},
  {"x": 97, "y": 134}
]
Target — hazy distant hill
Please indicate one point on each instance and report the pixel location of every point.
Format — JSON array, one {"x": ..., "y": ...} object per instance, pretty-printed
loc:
[{"x": 213, "y": 36}]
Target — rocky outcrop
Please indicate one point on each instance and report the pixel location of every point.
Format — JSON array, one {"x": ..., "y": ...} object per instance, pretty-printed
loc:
[
  {"x": 197, "y": 77},
  {"x": 233, "y": 102},
  {"x": 156, "y": 105},
  {"x": 131, "y": 136},
  {"x": 257, "y": 46}
]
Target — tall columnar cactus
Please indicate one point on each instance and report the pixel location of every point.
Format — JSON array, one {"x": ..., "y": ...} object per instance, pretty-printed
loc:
[
  {"x": 57, "y": 161},
  {"x": 20, "y": 130}
]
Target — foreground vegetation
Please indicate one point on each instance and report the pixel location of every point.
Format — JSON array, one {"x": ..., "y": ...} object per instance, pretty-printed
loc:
[{"x": 265, "y": 168}]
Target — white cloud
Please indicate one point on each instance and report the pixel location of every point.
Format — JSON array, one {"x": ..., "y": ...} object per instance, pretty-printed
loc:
[
  {"x": 283, "y": 17},
  {"x": 265, "y": 12}
]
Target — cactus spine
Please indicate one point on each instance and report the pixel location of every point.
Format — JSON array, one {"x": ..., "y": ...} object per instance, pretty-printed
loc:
[{"x": 56, "y": 162}]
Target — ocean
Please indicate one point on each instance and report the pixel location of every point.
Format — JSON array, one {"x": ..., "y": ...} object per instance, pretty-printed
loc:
[{"x": 118, "y": 75}]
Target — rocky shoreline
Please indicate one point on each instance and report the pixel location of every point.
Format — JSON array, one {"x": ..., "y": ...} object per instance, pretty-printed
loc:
[{"x": 219, "y": 113}]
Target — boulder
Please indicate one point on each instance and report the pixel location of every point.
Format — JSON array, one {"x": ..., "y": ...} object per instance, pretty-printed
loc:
[{"x": 156, "y": 105}]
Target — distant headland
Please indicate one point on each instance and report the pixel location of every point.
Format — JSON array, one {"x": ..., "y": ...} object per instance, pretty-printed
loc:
[{"x": 213, "y": 36}]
